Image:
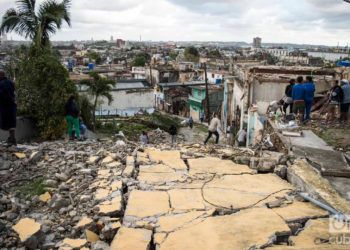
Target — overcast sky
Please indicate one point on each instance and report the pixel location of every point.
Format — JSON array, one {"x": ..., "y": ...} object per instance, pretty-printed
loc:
[{"x": 295, "y": 21}]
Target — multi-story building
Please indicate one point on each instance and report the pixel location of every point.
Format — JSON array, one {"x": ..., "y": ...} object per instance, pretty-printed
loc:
[{"x": 257, "y": 42}]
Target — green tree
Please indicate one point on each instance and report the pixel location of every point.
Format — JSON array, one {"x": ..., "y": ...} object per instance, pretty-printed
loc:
[
  {"x": 173, "y": 55},
  {"x": 141, "y": 59},
  {"x": 191, "y": 54},
  {"x": 94, "y": 56},
  {"x": 43, "y": 87},
  {"x": 37, "y": 24},
  {"x": 215, "y": 54},
  {"x": 99, "y": 87}
]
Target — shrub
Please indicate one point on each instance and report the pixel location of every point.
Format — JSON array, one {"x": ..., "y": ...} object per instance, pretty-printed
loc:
[{"x": 43, "y": 88}]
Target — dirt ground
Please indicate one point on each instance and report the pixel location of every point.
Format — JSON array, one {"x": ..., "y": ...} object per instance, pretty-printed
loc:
[{"x": 338, "y": 137}]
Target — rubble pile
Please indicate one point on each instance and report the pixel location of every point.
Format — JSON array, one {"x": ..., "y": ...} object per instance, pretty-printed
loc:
[{"x": 108, "y": 195}]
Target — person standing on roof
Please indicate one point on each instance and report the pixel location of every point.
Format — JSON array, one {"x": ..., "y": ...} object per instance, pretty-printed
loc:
[
  {"x": 298, "y": 95},
  {"x": 309, "y": 97}
]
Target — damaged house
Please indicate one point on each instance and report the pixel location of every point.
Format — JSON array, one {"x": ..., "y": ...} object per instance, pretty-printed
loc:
[{"x": 249, "y": 93}]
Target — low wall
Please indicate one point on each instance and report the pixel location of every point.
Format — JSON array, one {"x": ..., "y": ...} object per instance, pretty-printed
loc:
[{"x": 25, "y": 130}]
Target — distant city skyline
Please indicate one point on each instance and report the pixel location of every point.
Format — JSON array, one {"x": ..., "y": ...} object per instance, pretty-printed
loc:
[{"x": 321, "y": 22}]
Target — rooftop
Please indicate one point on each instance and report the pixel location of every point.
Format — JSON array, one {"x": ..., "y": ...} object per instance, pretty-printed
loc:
[{"x": 125, "y": 84}]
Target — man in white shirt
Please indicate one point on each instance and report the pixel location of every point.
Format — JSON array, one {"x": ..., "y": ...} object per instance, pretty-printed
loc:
[
  {"x": 242, "y": 138},
  {"x": 214, "y": 125}
]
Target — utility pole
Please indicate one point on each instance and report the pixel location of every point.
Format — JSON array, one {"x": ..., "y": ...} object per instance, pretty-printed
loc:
[{"x": 207, "y": 92}]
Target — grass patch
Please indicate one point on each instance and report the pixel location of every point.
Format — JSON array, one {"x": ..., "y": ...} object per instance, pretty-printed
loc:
[
  {"x": 132, "y": 127},
  {"x": 33, "y": 188},
  {"x": 201, "y": 128}
]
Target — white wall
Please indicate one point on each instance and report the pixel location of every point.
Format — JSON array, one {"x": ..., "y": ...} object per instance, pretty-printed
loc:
[{"x": 130, "y": 100}]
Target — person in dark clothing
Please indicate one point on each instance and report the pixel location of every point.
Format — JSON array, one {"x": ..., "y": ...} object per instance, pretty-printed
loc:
[
  {"x": 72, "y": 117},
  {"x": 298, "y": 95},
  {"x": 288, "y": 100},
  {"x": 336, "y": 95},
  {"x": 345, "y": 105},
  {"x": 309, "y": 97},
  {"x": 190, "y": 122},
  {"x": 8, "y": 107},
  {"x": 173, "y": 133}
]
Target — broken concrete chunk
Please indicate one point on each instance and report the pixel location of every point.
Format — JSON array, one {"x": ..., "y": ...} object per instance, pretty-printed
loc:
[
  {"x": 99, "y": 245},
  {"x": 130, "y": 167},
  {"x": 73, "y": 243},
  {"x": 110, "y": 208},
  {"x": 29, "y": 232},
  {"x": 45, "y": 197},
  {"x": 91, "y": 237},
  {"x": 300, "y": 211},
  {"x": 170, "y": 158},
  {"x": 93, "y": 160},
  {"x": 107, "y": 160},
  {"x": 84, "y": 222},
  {"x": 132, "y": 239},
  {"x": 20, "y": 155},
  {"x": 102, "y": 194}
]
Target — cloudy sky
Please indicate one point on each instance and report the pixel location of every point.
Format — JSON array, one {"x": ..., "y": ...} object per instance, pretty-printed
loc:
[{"x": 295, "y": 21}]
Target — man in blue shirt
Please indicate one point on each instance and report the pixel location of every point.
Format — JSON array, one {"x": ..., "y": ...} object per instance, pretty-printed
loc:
[
  {"x": 298, "y": 95},
  {"x": 309, "y": 96}
]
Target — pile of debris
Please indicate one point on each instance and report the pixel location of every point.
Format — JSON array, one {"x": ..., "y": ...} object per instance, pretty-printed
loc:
[
  {"x": 81, "y": 193},
  {"x": 116, "y": 195}
]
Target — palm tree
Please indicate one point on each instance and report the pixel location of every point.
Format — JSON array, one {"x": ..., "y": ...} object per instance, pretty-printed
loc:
[
  {"x": 37, "y": 25},
  {"x": 99, "y": 87}
]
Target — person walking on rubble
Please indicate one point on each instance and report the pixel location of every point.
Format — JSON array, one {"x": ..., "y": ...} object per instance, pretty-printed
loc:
[
  {"x": 214, "y": 126},
  {"x": 336, "y": 96},
  {"x": 8, "y": 108},
  {"x": 345, "y": 104},
  {"x": 144, "y": 140},
  {"x": 242, "y": 137},
  {"x": 309, "y": 97},
  {"x": 288, "y": 99},
  {"x": 298, "y": 95},
  {"x": 72, "y": 117},
  {"x": 173, "y": 133}
]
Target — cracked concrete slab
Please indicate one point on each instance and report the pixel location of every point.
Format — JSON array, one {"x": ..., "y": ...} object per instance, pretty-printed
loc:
[
  {"x": 173, "y": 222},
  {"x": 300, "y": 211},
  {"x": 143, "y": 204},
  {"x": 132, "y": 239},
  {"x": 306, "y": 178},
  {"x": 170, "y": 158},
  {"x": 250, "y": 228},
  {"x": 314, "y": 232},
  {"x": 211, "y": 165},
  {"x": 239, "y": 191},
  {"x": 187, "y": 199}
]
